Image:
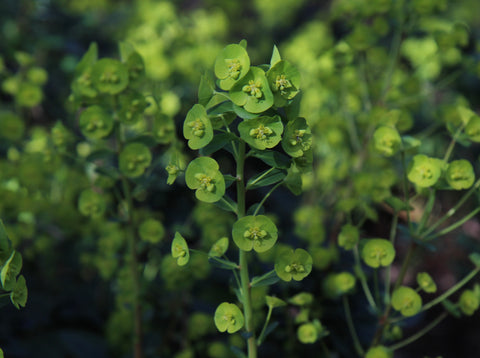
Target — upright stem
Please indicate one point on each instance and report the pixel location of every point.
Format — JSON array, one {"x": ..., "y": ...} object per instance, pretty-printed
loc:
[
  {"x": 132, "y": 247},
  {"x": 244, "y": 277}
]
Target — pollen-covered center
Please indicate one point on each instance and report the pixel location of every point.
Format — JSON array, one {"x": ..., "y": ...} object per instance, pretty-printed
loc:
[
  {"x": 281, "y": 84},
  {"x": 198, "y": 127},
  {"x": 95, "y": 123},
  {"x": 135, "y": 161},
  {"x": 261, "y": 132},
  {"x": 109, "y": 77},
  {"x": 179, "y": 250},
  {"x": 294, "y": 267},
  {"x": 234, "y": 68},
  {"x": 297, "y": 136},
  {"x": 255, "y": 233},
  {"x": 205, "y": 182},
  {"x": 254, "y": 89}
]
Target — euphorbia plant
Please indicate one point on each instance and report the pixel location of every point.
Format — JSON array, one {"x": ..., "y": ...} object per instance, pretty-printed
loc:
[{"x": 256, "y": 118}]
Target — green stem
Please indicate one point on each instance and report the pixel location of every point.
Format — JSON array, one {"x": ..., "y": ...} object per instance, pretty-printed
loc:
[
  {"x": 266, "y": 197},
  {"x": 454, "y": 225},
  {"x": 388, "y": 274},
  {"x": 243, "y": 262},
  {"x": 351, "y": 327},
  {"x": 453, "y": 210},
  {"x": 264, "y": 329},
  {"x": 363, "y": 281},
  {"x": 420, "y": 333},
  {"x": 132, "y": 247},
  {"x": 451, "y": 290}
]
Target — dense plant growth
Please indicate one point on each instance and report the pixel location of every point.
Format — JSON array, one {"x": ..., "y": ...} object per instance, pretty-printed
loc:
[{"x": 174, "y": 192}]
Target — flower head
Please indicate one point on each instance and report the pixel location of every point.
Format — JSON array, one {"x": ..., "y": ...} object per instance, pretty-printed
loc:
[
  {"x": 460, "y": 174},
  {"x": 254, "y": 232},
  {"x": 228, "y": 317},
  {"x": 203, "y": 175},
  {"x": 109, "y": 76},
  {"x": 297, "y": 139},
  {"x": 424, "y": 171},
  {"x": 134, "y": 159},
  {"x": 252, "y": 92},
  {"x": 407, "y": 301},
  {"x": 378, "y": 252},
  {"x": 231, "y": 65},
  {"x": 261, "y": 132},
  {"x": 180, "y": 250},
  {"x": 197, "y": 127},
  {"x": 293, "y": 264}
]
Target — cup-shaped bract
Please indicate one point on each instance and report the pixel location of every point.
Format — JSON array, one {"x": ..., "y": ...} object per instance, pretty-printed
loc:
[
  {"x": 468, "y": 302},
  {"x": 202, "y": 175},
  {"x": 273, "y": 302},
  {"x": 407, "y": 301},
  {"x": 134, "y": 159},
  {"x": 307, "y": 333},
  {"x": 135, "y": 67},
  {"x": 29, "y": 95},
  {"x": 10, "y": 270},
  {"x": 163, "y": 128},
  {"x": 197, "y": 127},
  {"x": 219, "y": 247},
  {"x": 348, "y": 237},
  {"x": 424, "y": 171},
  {"x": 460, "y": 174},
  {"x": 261, "y": 132},
  {"x": 297, "y": 138},
  {"x": 252, "y": 92},
  {"x": 378, "y": 252},
  {"x": 228, "y": 317},
  {"x": 387, "y": 140},
  {"x": 426, "y": 283},
  {"x": 284, "y": 81},
  {"x": 82, "y": 85},
  {"x": 472, "y": 129},
  {"x": 151, "y": 230},
  {"x": 379, "y": 352},
  {"x": 110, "y": 76},
  {"x": 180, "y": 249},
  {"x": 12, "y": 126},
  {"x": 254, "y": 232},
  {"x": 37, "y": 75},
  {"x": 338, "y": 284},
  {"x": 91, "y": 203},
  {"x": 132, "y": 106},
  {"x": 19, "y": 294},
  {"x": 95, "y": 122},
  {"x": 231, "y": 65},
  {"x": 293, "y": 264}
]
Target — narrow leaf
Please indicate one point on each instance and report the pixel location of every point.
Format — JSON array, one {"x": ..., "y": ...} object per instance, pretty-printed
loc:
[
  {"x": 268, "y": 177},
  {"x": 267, "y": 279},
  {"x": 275, "y": 56},
  {"x": 272, "y": 158},
  {"x": 221, "y": 263}
]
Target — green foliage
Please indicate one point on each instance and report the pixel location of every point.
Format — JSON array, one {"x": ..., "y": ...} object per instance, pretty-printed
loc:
[
  {"x": 254, "y": 232},
  {"x": 228, "y": 317},
  {"x": 407, "y": 301}
]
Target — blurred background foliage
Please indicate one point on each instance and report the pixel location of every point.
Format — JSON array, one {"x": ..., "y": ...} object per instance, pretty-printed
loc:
[{"x": 363, "y": 63}]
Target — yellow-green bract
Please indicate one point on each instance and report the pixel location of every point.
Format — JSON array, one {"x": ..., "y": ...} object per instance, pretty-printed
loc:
[
  {"x": 231, "y": 65},
  {"x": 387, "y": 141},
  {"x": 261, "y": 132},
  {"x": 95, "y": 122},
  {"x": 468, "y": 302},
  {"x": 338, "y": 284},
  {"x": 307, "y": 333},
  {"x": 254, "y": 232},
  {"x": 10, "y": 270},
  {"x": 378, "y": 252},
  {"x": 202, "y": 175},
  {"x": 284, "y": 81},
  {"x": 134, "y": 159},
  {"x": 109, "y": 76},
  {"x": 219, "y": 247},
  {"x": 460, "y": 174},
  {"x": 180, "y": 250},
  {"x": 424, "y": 171},
  {"x": 297, "y": 138},
  {"x": 91, "y": 203},
  {"x": 348, "y": 237},
  {"x": 426, "y": 282},
  {"x": 132, "y": 106},
  {"x": 228, "y": 317},
  {"x": 252, "y": 92},
  {"x": 379, "y": 352},
  {"x": 151, "y": 230},
  {"x": 197, "y": 127},
  {"x": 293, "y": 265},
  {"x": 407, "y": 301},
  {"x": 19, "y": 294}
]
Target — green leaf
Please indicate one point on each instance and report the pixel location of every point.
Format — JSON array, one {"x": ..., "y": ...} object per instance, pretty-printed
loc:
[
  {"x": 267, "y": 177},
  {"x": 243, "y": 113},
  {"x": 19, "y": 294},
  {"x": 146, "y": 139},
  {"x": 272, "y": 158},
  {"x": 180, "y": 249},
  {"x": 218, "y": 142},
  {"x": 88, "y": 59},
  {"x": 101, "y": 154},
  {"x": 5, "y": 244},
  {"x": 229, "y": 180},
  {"x": 275, "y": 56},
  {"x": 452, "y": 308},
  {"x": 206, "y": 89},
  {"x": 126, "y": 49},
  {"x": 293, "y": 180},
  {"x": 10, "y": 270},
  {"x": 222, "y": 264},
  {"x": 227, "y": 204},
  {"x": 475, "y": 258},
  {"x": 219, "y": 248},
  {"x": 267, "y": 279}
]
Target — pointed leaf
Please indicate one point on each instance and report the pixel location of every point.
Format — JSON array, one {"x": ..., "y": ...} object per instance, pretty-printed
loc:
[
  {"x": 267, "y": 279},
  {"x": 268, "y": 177},
  {"x": 275, "y": 56},
  {"x": 222, "y": 264}
]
